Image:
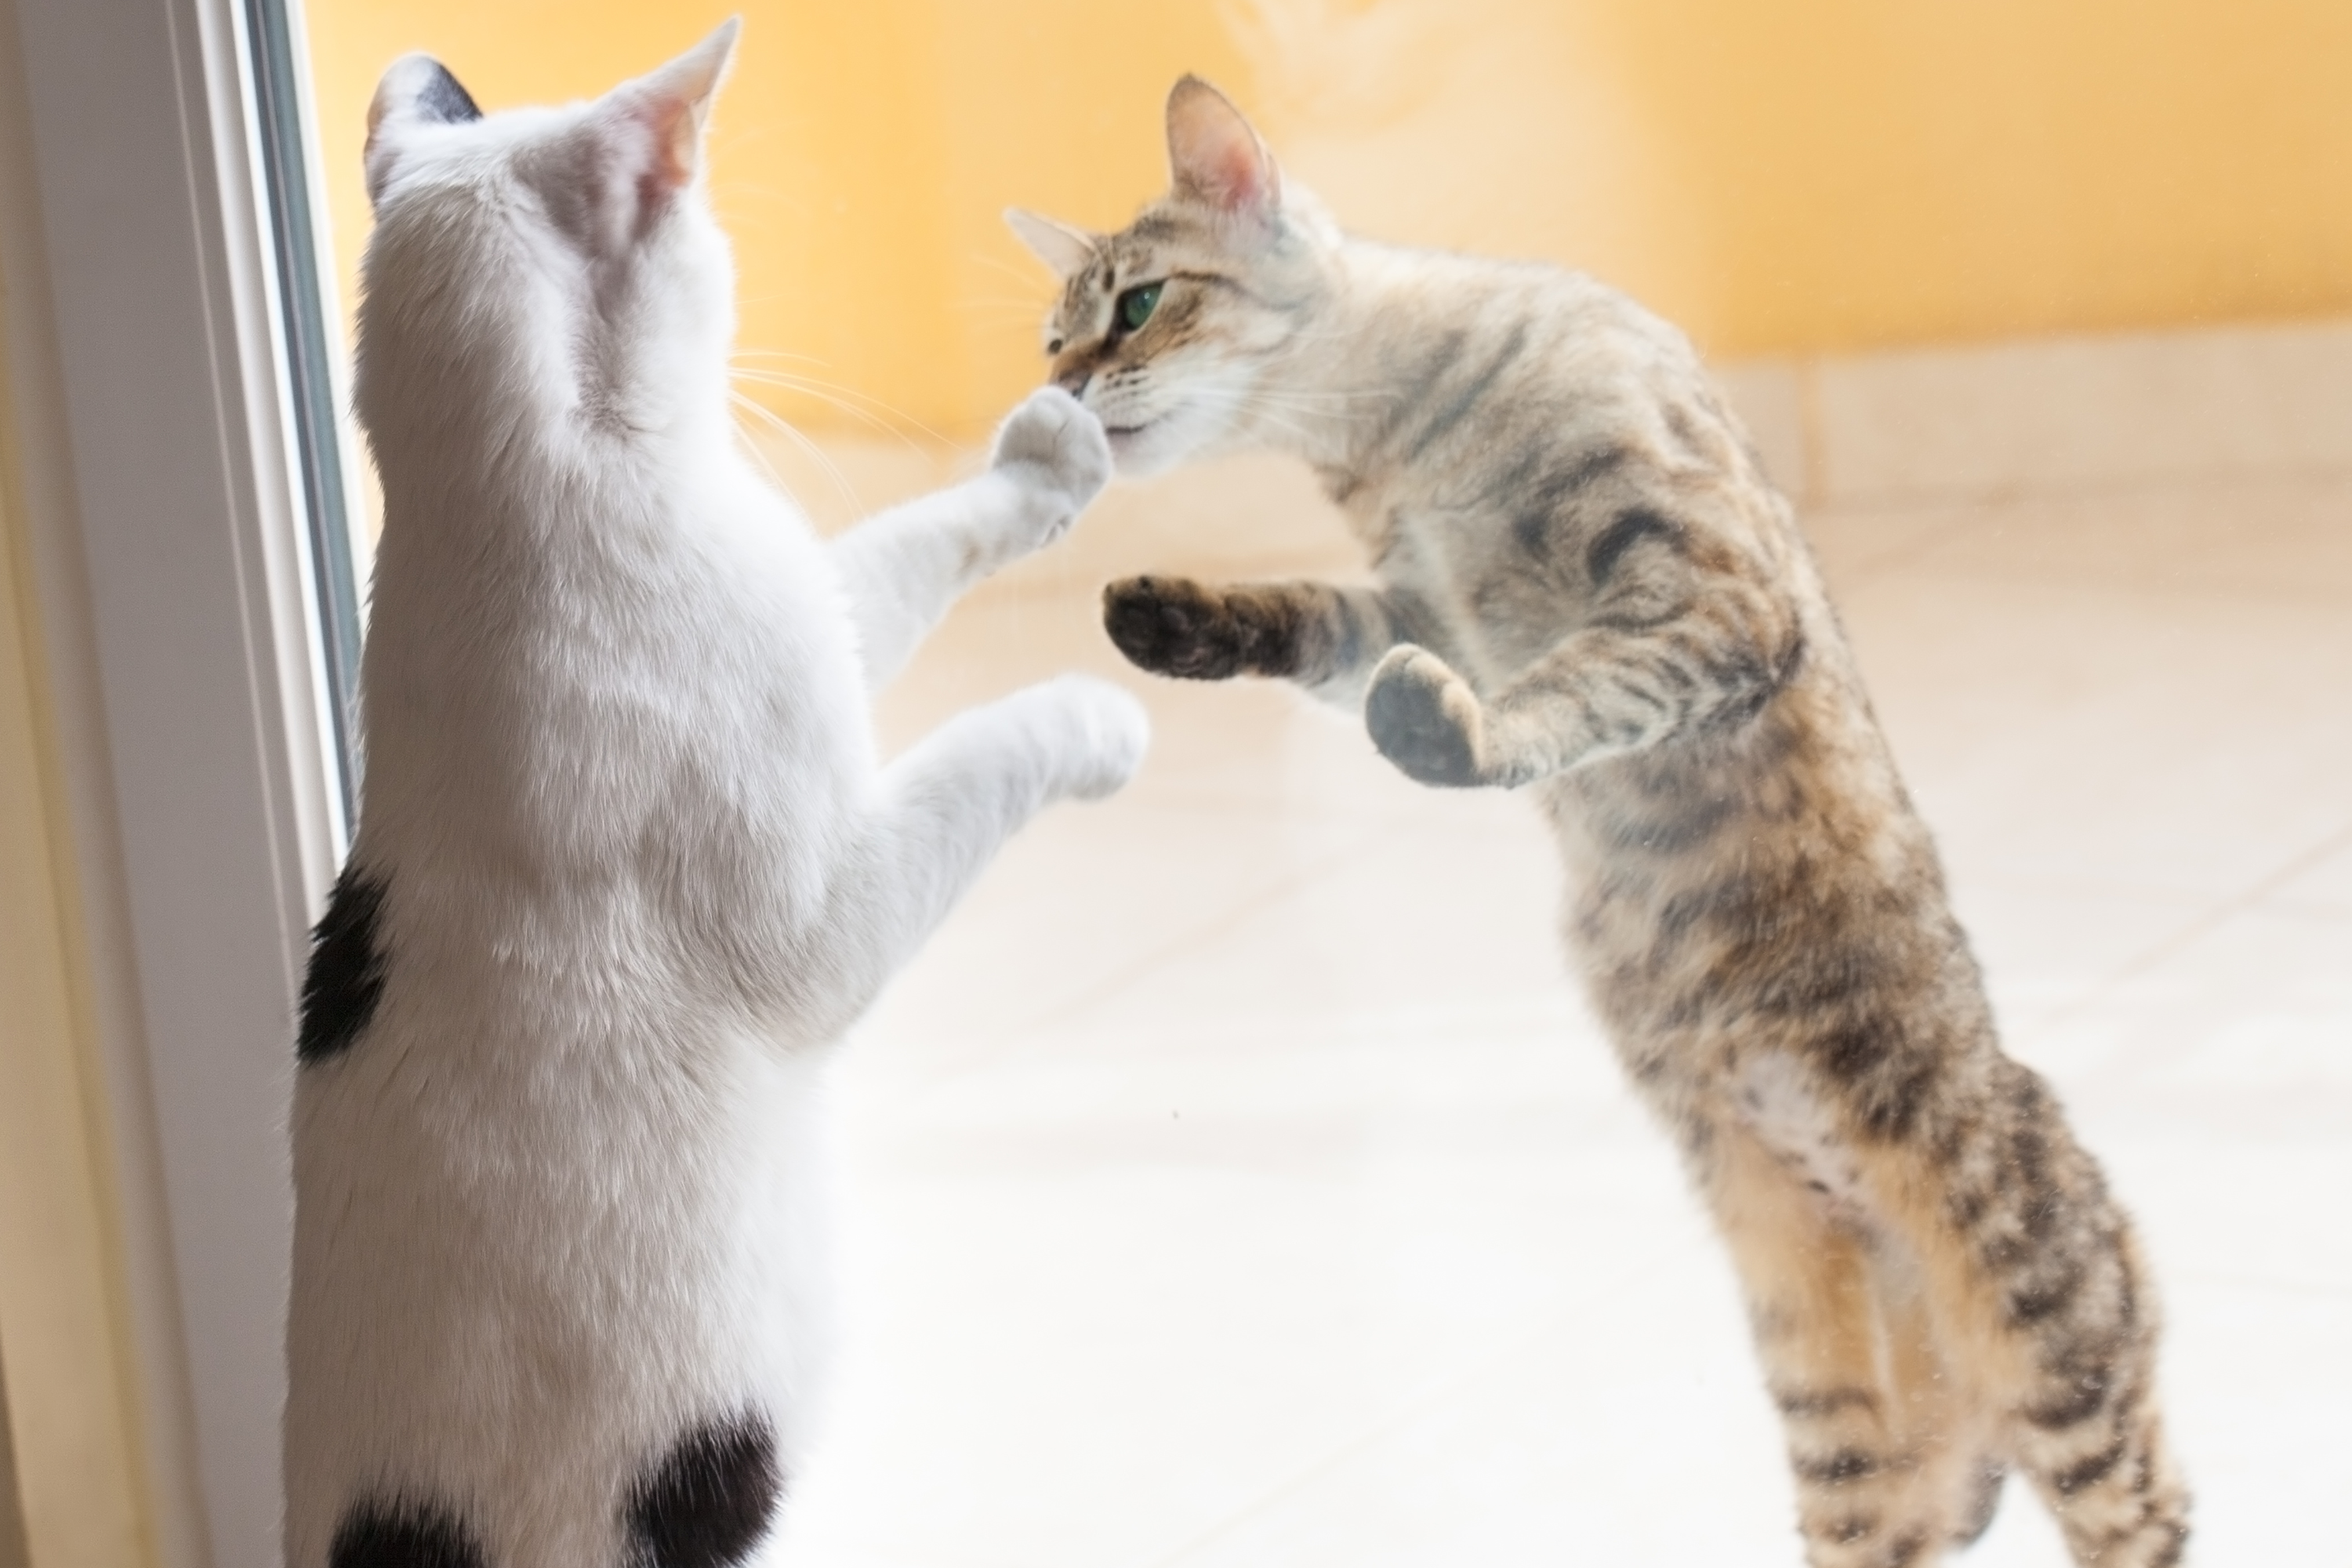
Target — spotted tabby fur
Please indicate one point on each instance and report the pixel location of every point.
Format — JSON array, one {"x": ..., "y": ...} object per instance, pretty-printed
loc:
[{"x": 1587, "y": 587}]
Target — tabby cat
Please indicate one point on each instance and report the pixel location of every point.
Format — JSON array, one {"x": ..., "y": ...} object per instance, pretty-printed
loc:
[{"x": 1586, "y": 586}]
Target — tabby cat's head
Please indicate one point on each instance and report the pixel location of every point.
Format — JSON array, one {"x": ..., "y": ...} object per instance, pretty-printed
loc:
[{"x": 1167, "y": 329}]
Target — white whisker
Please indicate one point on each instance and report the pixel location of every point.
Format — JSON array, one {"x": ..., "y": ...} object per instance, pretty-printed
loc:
[
  {"x": 836, "y": 394},
  {"x": 776, "y": 354},
  {"x": 783, "y": 426},
  {"x": 760, "y": 455},
  {"x": 1026, "y": 275}
]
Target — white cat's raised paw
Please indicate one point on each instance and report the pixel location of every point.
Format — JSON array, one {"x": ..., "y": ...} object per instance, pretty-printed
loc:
[
  {"x": 1054, "y": 449},
  {"x": 1108, "y": 730}
]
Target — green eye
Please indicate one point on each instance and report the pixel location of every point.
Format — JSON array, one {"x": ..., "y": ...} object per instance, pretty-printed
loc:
[{"x": 1135, "y": 306}]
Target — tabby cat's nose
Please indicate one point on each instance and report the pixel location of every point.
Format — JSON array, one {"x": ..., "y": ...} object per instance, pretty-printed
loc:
[{"x": 1075, "y": 382}]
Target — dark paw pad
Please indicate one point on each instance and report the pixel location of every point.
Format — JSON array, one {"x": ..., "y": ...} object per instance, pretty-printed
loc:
[
  {"x": 1421, "y": 716},
  {"x": 1172, "y": 627}
]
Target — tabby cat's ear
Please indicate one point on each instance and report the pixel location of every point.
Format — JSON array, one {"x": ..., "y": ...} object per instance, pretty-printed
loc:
[
  {"x": 1060, "y": 247},
  {"x": 673, "y": 104},
  {"x": 1215, "y": 157},
  {"x": 417, "y": 89}
]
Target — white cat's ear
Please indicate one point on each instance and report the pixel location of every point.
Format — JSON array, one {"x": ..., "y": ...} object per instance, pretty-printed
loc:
[
  {"x": 1065, "y": 249},
  {"x": 1215, "y": 157},
  {"x": 673, "y": 104},
  {"x": 416, "y": 90}
]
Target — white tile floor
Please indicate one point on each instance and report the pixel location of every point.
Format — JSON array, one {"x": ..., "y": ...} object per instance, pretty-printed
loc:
[{"x": 1236, "y": 1180}]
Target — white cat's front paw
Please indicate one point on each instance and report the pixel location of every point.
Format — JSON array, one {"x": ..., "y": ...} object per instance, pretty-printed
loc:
[
  {"x": 1055, "y": 450},
  {"x": 1109, "y": 732}
]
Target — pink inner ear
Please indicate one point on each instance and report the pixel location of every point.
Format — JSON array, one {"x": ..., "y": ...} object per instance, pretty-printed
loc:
[
  {"x": 671, "y": 137},
  {"x": 1238, "y": 175},
  {"x": 1217, "y": 157}
]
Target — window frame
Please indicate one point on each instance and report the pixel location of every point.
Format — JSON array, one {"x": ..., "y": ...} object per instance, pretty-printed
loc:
[{"x": 164, "y": 484}]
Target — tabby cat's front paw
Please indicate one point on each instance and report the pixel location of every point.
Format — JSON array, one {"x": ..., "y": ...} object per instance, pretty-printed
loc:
[
  {"x": 1184, "y": 629},
  {"x": 1425, "y": 718},
  {"x": 1056, "y": 451},
  {"x": 1173, "y": 626}
]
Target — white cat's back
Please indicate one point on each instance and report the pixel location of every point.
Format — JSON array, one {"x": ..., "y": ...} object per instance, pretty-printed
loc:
[{"x": 672, "y": 643}]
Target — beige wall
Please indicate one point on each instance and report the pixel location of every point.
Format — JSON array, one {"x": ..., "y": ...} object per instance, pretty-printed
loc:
[
  {"x": 1794, "y": 177},
  {"x": 13, "y": 1550},
  {"x": 63, "y": 1327},
  {"x": 64, "y": 1356}
]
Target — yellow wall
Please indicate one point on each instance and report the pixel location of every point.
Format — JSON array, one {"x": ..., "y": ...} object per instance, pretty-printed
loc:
[
  {"x": 1780, "y": 176},
  {"x": 861, "y": 154}
]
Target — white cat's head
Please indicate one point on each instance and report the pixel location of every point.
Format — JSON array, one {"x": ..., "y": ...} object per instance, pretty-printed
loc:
[
  {"x": 542, "y": 264},
  {"x": 1168, "y": 328}
]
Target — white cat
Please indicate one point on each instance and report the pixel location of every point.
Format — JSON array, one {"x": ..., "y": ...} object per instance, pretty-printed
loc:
[{"x": 626, "y": 864}]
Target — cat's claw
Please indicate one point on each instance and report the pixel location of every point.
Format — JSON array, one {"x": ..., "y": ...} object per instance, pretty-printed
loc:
[
  {"x": 1055, "y": 449},
  {"x": 1425, "y": 718}
]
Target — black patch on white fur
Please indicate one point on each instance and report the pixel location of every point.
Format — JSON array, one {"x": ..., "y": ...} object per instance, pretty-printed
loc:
[
  {"x": 404, "y": 1535},
  {"x": 707, "y": 1501},
  {"x": 345, "y": 979},
  {"x": 444, "y": 99}
]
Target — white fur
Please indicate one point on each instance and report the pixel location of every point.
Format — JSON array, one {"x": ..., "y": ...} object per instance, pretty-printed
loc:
[
  {"x": 564, "y": 1199},
  {"x": 1778, "y": 1098}
]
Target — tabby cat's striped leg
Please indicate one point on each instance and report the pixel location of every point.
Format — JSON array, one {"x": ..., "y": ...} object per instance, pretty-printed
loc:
[
  {"x": 1814, "y": 1308},
  {"x": 1937, "y": 1413},
  {"x": 2029, "y": 1244},
  {"x": 1320, "y": 635},
  {"x": 2104, "y": 1472}
]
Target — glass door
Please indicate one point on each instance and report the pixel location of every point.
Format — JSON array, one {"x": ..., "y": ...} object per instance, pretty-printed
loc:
[{"x": 310, "y": 334}]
